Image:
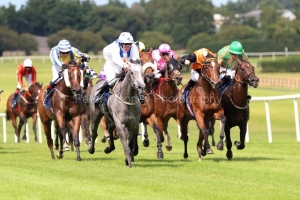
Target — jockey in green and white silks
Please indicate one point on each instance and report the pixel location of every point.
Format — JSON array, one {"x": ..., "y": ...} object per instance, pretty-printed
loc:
[{"x": 228, "y": 58}]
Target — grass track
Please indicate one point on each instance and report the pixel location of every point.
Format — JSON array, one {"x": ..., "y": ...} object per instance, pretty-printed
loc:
[{"x": 260, "y": 171}]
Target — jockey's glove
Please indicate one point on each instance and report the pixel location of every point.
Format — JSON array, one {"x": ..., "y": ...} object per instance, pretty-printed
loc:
[
  {"x": 64, "y": 66},
  {"x": 187, "y": 62},
  {"x": 126, "y": 67},
  {"x": 85, "y": 58}
]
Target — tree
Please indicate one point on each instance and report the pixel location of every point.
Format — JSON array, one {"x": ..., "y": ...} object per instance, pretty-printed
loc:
[
  {"x": 28, "y": 43},
  {"x": 154, "y": 39},
  {"x": 9, "y": 40},
  {"x": 197, "y": 41},
  {"x": 237, "y": 32}
]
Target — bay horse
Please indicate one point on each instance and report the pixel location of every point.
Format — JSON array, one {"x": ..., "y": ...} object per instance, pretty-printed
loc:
[
  {"x": 203, "y": 104},
  {"x": 26, "y": 108},
  {"x": 165, "y": 101},
  {"x": 124, "y": 110},
  {"x": 66, "y": 108},
  {"x": 236, "y": 106}
]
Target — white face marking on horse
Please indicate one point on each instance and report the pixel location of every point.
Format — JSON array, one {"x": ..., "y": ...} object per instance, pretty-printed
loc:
[
  {"x": 213, "y": 64},
  {"x": 75, "y": 72},
  {"x": 39, "y": 91}
]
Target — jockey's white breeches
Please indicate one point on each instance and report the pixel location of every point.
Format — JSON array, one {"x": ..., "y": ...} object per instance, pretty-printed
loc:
[
  {"x": 224, "y": 71},
  {"x": 194, "y": 75},
  {"x": 55, "y": 70},
  {"x": 111, "y": 71},
  {"x": 28, "y": 79}
]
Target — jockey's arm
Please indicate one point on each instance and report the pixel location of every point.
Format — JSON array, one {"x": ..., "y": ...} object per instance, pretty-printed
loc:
[
  {"x": 54, "y": 57},
  {"x": 33, "y": 76},
  {"x": 78, "y": 54},
  {"x": 191, "y": 57},
  {"x": 20, "y": 76}
]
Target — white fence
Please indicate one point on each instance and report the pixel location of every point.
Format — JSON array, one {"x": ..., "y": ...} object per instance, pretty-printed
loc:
[{"x": 294, "y": 97}]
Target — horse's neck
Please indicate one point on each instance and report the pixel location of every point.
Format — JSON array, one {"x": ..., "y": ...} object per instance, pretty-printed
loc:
[
  {"x": 125, "y": 89},
  {"x": 28, "y": 96},
  {"x": 168, "y": 87},
  {"x": 238, "y": 91},
  {"x": 61, "y": 86},
  {"x": 148, "y": 87},
  {"x": 204, "y": 84}
]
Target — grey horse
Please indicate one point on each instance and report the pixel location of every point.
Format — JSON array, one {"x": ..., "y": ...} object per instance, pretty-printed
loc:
[{"x": 124, "y": 110}]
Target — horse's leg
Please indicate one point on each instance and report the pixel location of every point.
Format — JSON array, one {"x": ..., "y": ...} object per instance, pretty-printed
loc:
[
  {"x": 183, "y": 123},
  {"x": 13, "y": 119},
  {"x": 85, "y": 129},
  {"x": 202, "y": 126},
  {"x": 58, "y": 145},
  {"x": 76, "y": 126},
  {"x": 47, "y": 130},
  {"x": 104, "y": 125},
  {"x": 168, "y": 143},
  {"x": 146, "y": 141},
  {"x": 229, "y": 154},
  {"x": 63, "y": 130},
  {"x": 123, "y": 134},
  {"x": 23, "y": 120},
  {"x": 95, "y": 120},
  {"x": 111, "y": 144},
  {"x": 212, "y": 131},
  {"x": 34, "y": 118},
  {"x": 160, "y": 126},
  {"x": 200, "y": 150},
  {"x": 133, "y": 142},
  {"x": 220, "y": 145},
  {"x": 57, "y": 135},
  {"x": 241, "y": 144},
  {"x": 151, "y": 122}
]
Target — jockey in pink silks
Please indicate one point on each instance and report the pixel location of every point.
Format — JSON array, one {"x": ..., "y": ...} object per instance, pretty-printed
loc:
[{"x": 161, "y": 56}]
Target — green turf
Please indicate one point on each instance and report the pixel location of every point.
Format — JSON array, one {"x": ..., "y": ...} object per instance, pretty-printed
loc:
[{"x": 262, "y": 170}]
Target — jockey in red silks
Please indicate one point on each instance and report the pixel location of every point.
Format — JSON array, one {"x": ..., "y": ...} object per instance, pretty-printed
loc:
[
  {"x": 28, "y": 71},
  {"x": 161, "y": 57}
]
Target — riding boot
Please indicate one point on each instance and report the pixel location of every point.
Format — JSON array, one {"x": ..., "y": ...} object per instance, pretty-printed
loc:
[
  {"x": 48, "y": 89},
  {"x": 14, "y": 100},
  {"x": 98, "y": 96},
  {"x": 188, "y": 87},
  {"x": 224, "y": 80}
]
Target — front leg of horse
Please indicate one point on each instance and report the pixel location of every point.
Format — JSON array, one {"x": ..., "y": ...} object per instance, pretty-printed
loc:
[
  {"x": 151, "y": 122},
  {"x": 111, "y": 143},
  {"x": 204, "y": 131},
  {"x": 76, "y": 126},
  {"x": 220, "y": 145},
  {"x": 146, "y": 141},
  {"x": 34, "y": 118},
  {"x": 241, "y": 144},
  {"x": 23, "y": 121},
  {"x": 229, "y": 154}
]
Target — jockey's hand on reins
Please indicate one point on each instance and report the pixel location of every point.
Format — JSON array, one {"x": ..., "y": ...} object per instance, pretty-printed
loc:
[
  {"x": 83, "y": 59},
  {"x": 64, "y": 66},
  {"x": 126, "y": 67}
]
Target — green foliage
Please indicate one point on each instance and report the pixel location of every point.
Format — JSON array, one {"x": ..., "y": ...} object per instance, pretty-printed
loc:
[
  {"x": 84, "y": 41},
  {"x": 154, "y": 39},
  {"x": 28, "y": 43},
  {"x": 196, "y": 41},
  {"x": 237, "y": 32},
  {"x": 109, "y": 33},
  {"x": 9, "y": 40},
  {"x": 288, "y": 64}
]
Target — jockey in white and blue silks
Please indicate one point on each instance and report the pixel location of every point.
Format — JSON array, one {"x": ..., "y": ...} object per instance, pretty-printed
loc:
[
  {"x": 59, "y": 56},
  {"x": 116, "y": 56}
]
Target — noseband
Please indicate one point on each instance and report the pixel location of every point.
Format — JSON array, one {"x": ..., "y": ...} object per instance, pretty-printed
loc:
[{"x": 245, "y": 76}]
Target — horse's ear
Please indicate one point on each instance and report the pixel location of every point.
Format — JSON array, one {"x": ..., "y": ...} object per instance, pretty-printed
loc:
[
  {"x": 41, "y": 84},
  {"x": 151, "y": 49}
]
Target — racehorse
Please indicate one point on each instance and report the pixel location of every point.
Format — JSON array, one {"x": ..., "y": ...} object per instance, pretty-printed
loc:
[
  {"x": 26, "y": 107},
  {"x": 236, "y": 106},
  {"x": 203, "y": 104},
  {"x": 165, "y": 101},
  {"x": 123, "y": 110},
  {"x": 66, "y": 107},
  {"x": 148, "y": 111}
]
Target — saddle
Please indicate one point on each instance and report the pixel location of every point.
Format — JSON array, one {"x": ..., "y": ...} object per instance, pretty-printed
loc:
[
  {"x": 48, "y": 102},
  {"x": 226, "y": 84}
]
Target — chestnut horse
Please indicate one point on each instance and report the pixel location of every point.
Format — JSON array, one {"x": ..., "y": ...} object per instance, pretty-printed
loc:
[
  {"x": 236, "y": 106},
  {"x": 66, "y": 107},
  {"x": 203, "y": 104},
  {"x": 165, "y": 101},
  {"x": 26, "y": 107}
]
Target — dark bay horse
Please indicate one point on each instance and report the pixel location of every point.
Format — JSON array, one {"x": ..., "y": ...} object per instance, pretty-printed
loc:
[
  {"x": 203, "y": 105},
  {"x": 236, "y": 106},
  {"x": 26, "y": 107},
  {"x": 124, "y": 111},
  {"x": 66, "y": 107},
  {"x": 165, "y": 101}
]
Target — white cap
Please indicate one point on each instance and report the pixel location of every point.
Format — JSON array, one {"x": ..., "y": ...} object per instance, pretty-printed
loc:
[
  {"x": 27, "y": 63},
  {"x": 126, "y": 38}
]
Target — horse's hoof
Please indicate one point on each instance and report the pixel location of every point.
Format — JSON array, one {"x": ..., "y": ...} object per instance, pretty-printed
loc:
[
  {"x": 24, "y": 137},
  {"x": 213, "y": 144},
  {"x": 103, "y": 140},
  {"x": 91, "y": 150},
  {"x": 220, "y": 147},
  {"x": 209, "y": 151},
  {"x": 78, "y": 159},
  {"x": 185, "y": 155},
  {"x": 135, "y": 152},
  {"x": 169, "y": 148},
  {"x": 160, "y": 155},
  {"x": 146, "y": 143},
  {"x": 66, "y": 148},
  {"x": 59, "y": 156},
  {"x": 108, "y": 150},
  {"x": 229, "y": 155},
  {"x": 56, "y": 148}
]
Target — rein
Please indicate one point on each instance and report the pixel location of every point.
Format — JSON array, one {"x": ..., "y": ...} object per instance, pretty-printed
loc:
[
  {"x": 159, "y": 95},
  {"x": 30, "y": 95}
]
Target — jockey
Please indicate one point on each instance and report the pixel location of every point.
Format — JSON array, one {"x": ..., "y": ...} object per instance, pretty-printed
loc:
[
  {"x": 196, "y": 58},
  {"x": 161, "y": 57},
  {"x": 116, "y": 55},
  {"x": 141, "y": 46},
  {"x": 60, "y": 55},
  {"x": 228, "y": 58},
  {"x": 27, "y": 70}
]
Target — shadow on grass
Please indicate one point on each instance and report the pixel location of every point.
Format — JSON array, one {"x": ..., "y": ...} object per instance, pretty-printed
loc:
[{"x": 241, "y": 159}]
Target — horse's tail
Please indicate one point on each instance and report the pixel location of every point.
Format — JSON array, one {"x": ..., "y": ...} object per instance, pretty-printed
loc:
[{"x": 7, "y": 116}]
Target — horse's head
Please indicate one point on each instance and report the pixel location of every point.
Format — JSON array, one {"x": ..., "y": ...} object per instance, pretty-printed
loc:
[
  {"x": 245, "y": 74},
  {"x": 73, "y": 77},
  {"x": 34, "y": 90},
  {"x": 136, "y": 76},
  {"x": 210, "y": 71},
  {"x": 173, "y": 69},
  {"x": 148, "y": 65}
]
